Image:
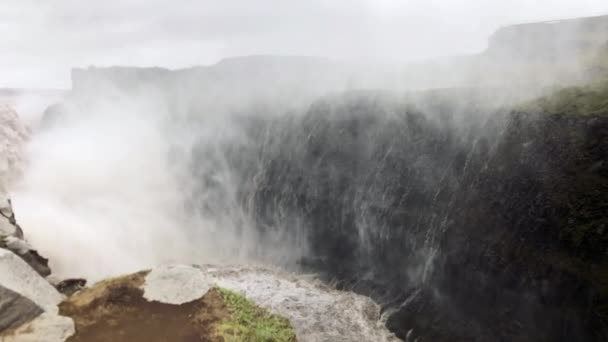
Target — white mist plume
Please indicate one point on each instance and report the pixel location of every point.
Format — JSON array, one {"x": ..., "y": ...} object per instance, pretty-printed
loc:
[
  {"x": 108, "y": 182},
  {"x": 92, "y": 184},
  {"x": 102, "y": 182}
]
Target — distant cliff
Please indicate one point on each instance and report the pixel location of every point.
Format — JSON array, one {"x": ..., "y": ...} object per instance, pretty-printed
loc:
[
  {"x": 535, "y": 54},
  {"x": 552, "y": 41},
  {"x": 120, "y": 78}
]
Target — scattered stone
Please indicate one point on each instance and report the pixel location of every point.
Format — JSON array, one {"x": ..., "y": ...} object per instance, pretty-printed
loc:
[
  {"x": 176, "y": 284},
  {"x": 70, "y": 286}
]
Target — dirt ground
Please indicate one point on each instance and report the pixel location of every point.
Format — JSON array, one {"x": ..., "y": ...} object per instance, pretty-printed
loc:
[{"x": 115, "y": 311}]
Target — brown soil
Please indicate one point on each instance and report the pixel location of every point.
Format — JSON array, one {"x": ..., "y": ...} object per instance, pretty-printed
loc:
[{"x": 115, "y": 311}]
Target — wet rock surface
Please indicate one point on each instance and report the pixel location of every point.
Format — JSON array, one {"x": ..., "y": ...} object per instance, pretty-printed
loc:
[{"x": 307, "y": 303}]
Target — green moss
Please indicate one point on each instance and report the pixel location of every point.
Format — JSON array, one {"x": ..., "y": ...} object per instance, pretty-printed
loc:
[
  {"x": 590, "y": 99},
  {"x": 249, "y": 322}
]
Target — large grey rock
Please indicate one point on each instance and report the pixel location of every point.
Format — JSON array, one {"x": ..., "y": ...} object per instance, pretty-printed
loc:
[
  {"x": 15, "y": 309},
  {"x": 29, "y": 304},
  {"x": 18, "y": 276},
  {"x": 176, "y": 284}
]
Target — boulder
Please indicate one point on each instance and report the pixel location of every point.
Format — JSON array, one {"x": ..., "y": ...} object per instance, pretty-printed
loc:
[
  {"x": 18, "y": 276},
  {"x": 28, "y": 304},
  {"x": 15, "y": 309}
]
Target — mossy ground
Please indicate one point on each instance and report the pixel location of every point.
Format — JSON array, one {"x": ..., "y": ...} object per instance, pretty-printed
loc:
[
  {"x": 115, "y": 310},
  {"x": 248, "y": 322}
]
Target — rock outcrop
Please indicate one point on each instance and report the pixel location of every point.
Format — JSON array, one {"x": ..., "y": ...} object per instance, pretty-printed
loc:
[
  {"x": 13, "y": 136},
  {"x": 201, "y": 303},
  {"x": 194, "y": 303},
  {"x": 12, "y": 238},
  {"x": 28, "y": 302}
]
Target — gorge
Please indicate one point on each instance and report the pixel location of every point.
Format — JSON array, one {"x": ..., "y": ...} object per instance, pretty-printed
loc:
[{"x": 471, "y": 206}]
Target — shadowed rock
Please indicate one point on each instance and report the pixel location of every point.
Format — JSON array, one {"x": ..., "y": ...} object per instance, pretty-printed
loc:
[{"x": 15, "y": 309}]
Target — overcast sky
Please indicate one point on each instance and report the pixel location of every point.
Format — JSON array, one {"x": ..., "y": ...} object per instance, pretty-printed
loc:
[{"x": 43, "y": 39}]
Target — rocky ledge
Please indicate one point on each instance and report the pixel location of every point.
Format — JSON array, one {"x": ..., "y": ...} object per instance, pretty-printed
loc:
[
  {"x": 169, "y": 303},
  {"x": 173, "y": 303},
  {"x": 183, "y": 303}
]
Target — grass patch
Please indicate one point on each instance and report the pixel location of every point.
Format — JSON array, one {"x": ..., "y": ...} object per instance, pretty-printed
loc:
[
  {"x": 588, "y": 100},
  {"x": 249, "y": 322}
]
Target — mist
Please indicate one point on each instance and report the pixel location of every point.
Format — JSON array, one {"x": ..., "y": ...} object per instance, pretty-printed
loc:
[
  {"x": 371, "y": 143},
  {"x": 112, "y": 176},
  {"x": 43, "y": 41},
  {"x": 112, "y": 182}
]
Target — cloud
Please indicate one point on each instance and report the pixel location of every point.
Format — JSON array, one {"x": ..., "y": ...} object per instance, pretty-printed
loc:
[{"x": 42, "y": 40}]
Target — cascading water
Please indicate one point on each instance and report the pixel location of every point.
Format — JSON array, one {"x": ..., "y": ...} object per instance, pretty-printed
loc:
[
  {"x": 391, "y": 198},
  {"x": 362, "y": 186}
]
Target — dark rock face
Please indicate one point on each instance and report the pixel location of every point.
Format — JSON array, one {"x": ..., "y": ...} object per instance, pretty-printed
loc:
[
  {"x": 467, "y": 226},
  {"x": 70, "y": 286},
  {"x": 526, "y": 251}
]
